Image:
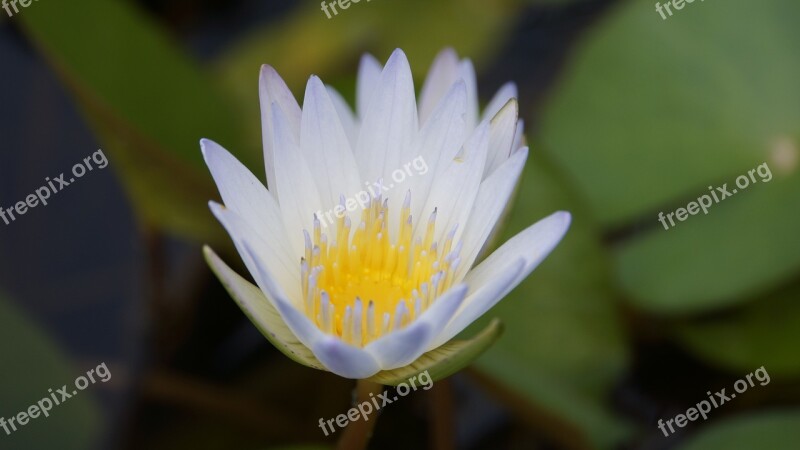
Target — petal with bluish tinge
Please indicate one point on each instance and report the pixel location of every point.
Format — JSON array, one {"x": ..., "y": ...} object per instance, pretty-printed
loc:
[
  {"x": 340, "y": 358},
  {"x": 402, "y": 347},
  {"x": 390, "y": 124},
  {"x": 272, "y": 89},
  {"x": 492, "y": 277},
  {"x": 326, "y": 148}
]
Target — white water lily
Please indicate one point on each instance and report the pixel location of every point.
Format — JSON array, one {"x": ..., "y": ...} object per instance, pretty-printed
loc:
[{"x": 385, "y": 284}]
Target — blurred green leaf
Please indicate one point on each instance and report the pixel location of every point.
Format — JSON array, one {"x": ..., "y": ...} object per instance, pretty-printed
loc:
[
  {"x": 764, "y": 333},
  {"x": 772, "y": 430},
  {"x": 32, "y": 364},
  {"x": 652, "y": 112},
  {"x": 148, "y": 103},
  {"x": 563, "y": 348}
]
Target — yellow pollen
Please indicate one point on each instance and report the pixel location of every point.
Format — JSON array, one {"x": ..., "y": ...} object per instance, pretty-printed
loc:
[{"x": 362, "y": 285}]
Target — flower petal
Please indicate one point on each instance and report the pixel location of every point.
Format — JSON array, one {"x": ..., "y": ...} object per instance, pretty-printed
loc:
[
  {"x": 402, "y": 347},
  {"x": 245, "y": 195},
  {"x": 438, "y": 142},
  {"x": 345, "y": 360},
  {"x": 342, "y": 359},
  {"x": 494, "y": 195},
  {"x": 240, "y": 231},
  {"x": 295, "y": 186},
  {"x": 326, "y": 148},
  {"x": 369, "y": 75},
  {"x": 390, "y": 124},
  {"x": 534, "y": 244},
  {"x": 445, "y": 360},
  {"x": 442, "y": 75},
  {"x": 504, "y": 269},
  {"x": 261, "y": 312},
  {"x": 519, "y": 136},
  {"x": 272, "y": 89},
  {"x": 503, "y": 95},
  {"x": 349, "y": 121},
  {"x": 501, "y": 137},
  {"x": 456, "y": 187},
  {"x": 467, "y": 73},
  {"x": 480, "y": 299}
]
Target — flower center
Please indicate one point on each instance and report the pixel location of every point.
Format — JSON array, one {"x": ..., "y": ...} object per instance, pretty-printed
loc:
[{"x": 362, "y": 286}]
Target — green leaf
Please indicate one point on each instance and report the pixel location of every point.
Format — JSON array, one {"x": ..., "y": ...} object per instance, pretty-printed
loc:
[
  {"x": 261, "y": 312},
  {"x": 773, "y": 430},
  {"x": 33, "y": 364},
  {"x": 443, "y": 361},
  {"x": 564, "y": 348},
  {"x": 648, "y": 124},
  {"x": 148, "y": 103},
  {"x": 764, "y": 333}
]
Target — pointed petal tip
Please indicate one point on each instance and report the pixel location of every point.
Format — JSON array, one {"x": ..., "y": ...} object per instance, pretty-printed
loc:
[
  {"x": 398, "y": 57},
  {"x": 564, "y": 217},
  {"x": 369, "y": 58},
  {"x": 267, "y": 70},
  {"x": 448, "y": 53}
]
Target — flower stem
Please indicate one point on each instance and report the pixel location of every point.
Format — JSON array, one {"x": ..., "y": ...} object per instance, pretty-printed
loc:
[{"x": 358, "y": 433}]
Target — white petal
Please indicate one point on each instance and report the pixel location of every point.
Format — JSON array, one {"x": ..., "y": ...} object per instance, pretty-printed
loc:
[
  {"x": 272, "y": 89},
  {"x": 519, "y": 136},
  {"x": 390, "y": 124},
  {"x": 346, "y": 116},
  {"x": 345, "y": 360},
  {"x": 501, "y": 137},
  {"x": 261, "y": 311},
  {"x": 403, "y": 347},
  {"x": 504, "y": 269},
  {"x": 342, "y": 359},
  {"x": 438, "y": 142},
  {"x": 326, "y": 148},
  {"x": 295, "y": 186},
  {"x": 244, "y": 194},
  {"x": 369, "y": 75},
  {"x": 444, "y": 72},
  {"x": 533, "y": 244},
  {"x": 493, "y": 196},
  {"x": 503, "y": 95},
  {"x": 456, "y": 187},
  {"x": 467, "y": 73},
  {"x": 285, "y": 275},
  {"x": 480, "y": 299}
]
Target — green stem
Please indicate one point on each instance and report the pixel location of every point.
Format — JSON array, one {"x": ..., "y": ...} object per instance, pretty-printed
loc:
[{"x": 358, "y": 433}]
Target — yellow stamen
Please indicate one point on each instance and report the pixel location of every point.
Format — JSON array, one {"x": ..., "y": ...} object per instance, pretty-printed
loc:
[{"x": 362, "y": 285}]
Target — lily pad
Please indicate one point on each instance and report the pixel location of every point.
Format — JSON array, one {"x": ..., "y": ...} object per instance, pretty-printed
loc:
[
  {"x": 652, "y": 112},
  {"x": 148, "y": 103},
  {"x": 776, "y": 430},
  {"x": 32, "y": 365},
  {"x": 764, "y": 333},
  {"x": 564, "y": 347}
]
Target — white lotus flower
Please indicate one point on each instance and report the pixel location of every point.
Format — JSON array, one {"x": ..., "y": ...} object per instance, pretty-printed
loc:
[{"x": 381, "y": 286}]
